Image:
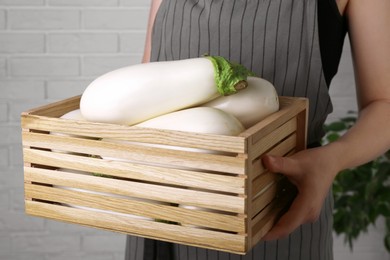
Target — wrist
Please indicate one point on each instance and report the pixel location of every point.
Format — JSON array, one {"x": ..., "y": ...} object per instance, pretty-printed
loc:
[
  {"x": 327, "y": 159},
  {"x": 337, "y": 156}
]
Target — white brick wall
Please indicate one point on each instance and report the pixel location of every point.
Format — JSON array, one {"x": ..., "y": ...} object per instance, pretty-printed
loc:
[
  {"x": 52, "y": 49},
  {"x": 343, "y": 87}
]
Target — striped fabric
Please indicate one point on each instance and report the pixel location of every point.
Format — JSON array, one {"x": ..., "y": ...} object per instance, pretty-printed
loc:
[
  {"x": 309, "y": 242},
  {"x": 278, "y": 40}
]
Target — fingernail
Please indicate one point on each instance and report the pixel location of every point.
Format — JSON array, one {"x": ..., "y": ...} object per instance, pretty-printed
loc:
[{"x": 272, "y": 158}]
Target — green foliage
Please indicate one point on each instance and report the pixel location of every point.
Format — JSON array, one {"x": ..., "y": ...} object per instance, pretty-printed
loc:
[
  {"x": 102, "y": 175},
  {"x": 361, "y": 194}
]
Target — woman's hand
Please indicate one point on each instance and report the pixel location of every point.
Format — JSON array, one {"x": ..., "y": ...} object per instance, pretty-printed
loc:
[
  {"x": 312, "y": 173},
  {"x": 313, "y": 170}
]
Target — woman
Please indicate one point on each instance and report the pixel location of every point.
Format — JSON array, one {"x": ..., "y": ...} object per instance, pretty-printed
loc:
[{"x": 297, "y": 46}]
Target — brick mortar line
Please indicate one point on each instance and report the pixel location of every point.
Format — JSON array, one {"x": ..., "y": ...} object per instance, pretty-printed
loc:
[
  {"x": 70, "y": 31},
  {"x": 72, "y": 8}
]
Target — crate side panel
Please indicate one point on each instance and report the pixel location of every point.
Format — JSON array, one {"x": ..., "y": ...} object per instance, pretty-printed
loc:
[
  {"x": 279, "y": 188},
  {"x": 266, "y": 218},
  {"x": 138, "y": 153},
  {"x": 280, "y": 136},
  {"x": 147, "y": 173},
  {"x": 137, "y": 189},
  {"x": 269, "y": 217},
  {"x": 263, "y": 181},
  {"x": 172, "y": 233},
  {"x": 122, "y": 205},
  {"x": 283, "y": 148},
  {"x": 233, "y": 144}
]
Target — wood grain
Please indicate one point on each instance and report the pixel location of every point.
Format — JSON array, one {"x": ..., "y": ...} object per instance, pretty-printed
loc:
[
  {"x": 220, "y": 197},
  {"x": 167, "y": 232}
]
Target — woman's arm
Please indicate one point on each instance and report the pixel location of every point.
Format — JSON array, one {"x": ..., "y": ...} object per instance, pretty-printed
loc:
[
  {"x": 313, "y": 171},
  {"x": 370, "y": 42},
  {"x": 152, "y": 15}
]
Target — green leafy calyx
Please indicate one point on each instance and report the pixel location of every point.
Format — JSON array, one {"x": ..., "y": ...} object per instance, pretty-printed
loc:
[{"x": 229, "y": 77}]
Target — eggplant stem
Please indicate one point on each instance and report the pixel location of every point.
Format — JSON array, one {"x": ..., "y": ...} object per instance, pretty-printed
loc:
[{"x": 242, "y": 84}]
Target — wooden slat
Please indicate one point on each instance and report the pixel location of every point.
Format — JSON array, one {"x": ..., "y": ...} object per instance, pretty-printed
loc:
[
  {"x": 261, "y": 146},
  {"x": 55, "y": 109},
  {"x": 233, "y": 144},
  {"x": 137, "y": 189},
  {"x": 263, "y": 181},
  {"x": 138, "y": 153},
  {"x": 268, "y": 194},
  {"x": 289, "y": 108},
  {"x": 287, "y": 147},
  {"x": 194, "y": 179},
  {"x": 264, "y": 198},
  {"x": 122, "y": 205},
  {"x": 265, "y": 224},
  {"x": 174, "y": 233},
  {"x": 264, "y": 221},
  {"x": 260, "y": 215}
]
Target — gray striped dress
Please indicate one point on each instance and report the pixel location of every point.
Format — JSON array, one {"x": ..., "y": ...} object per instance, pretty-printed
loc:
[{"x": 279, "y": 41}]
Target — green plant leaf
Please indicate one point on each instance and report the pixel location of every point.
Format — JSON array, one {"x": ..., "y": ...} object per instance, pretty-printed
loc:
[
  {"x": 370, "y": 190},
  {"x": 361, "y": 194},
  {"x": 384, "y": 209},
  {"x": 387, "y": 242},
  {"x": 336, "y": 126},
  {"x": 384, "y": 170},
  {"x": 349, "y": 119},
  {"x": 385, "y": 195},
  {"x": 332, "y": 137},
  {"x": 387, "y": 155},
  {"x": 102, "y": 175}
]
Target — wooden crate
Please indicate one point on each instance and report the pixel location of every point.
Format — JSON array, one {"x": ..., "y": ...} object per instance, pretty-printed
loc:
[{"x": 223, "y": 200}]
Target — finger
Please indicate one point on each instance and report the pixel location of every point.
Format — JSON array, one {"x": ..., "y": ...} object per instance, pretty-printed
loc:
[
  {"x": 285, "y": 165},
  {"x": 286, "y": 225},
  {"x": 290, "y": 221}
]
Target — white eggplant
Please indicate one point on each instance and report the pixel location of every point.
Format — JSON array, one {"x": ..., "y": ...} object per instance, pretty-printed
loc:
[
  {"x": 74, "y": 115},
  {"x": 250, "y": 105},
  {"x": 140, "y": 92},
  {"x": 206, "y": 120}
]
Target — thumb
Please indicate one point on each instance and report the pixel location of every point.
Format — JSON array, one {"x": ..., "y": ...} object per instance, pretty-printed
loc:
[
  {"x": 273, "y": 163},
  {"x": 282, "y": 165},
  {"x": 278, "y": 164}
]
